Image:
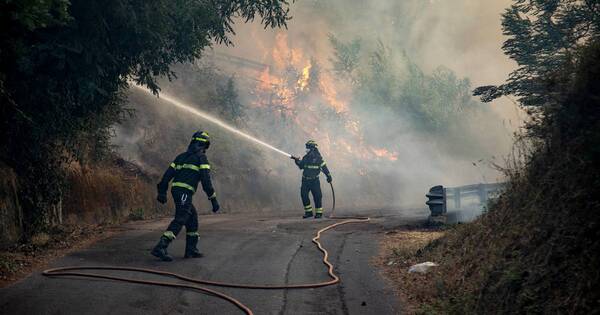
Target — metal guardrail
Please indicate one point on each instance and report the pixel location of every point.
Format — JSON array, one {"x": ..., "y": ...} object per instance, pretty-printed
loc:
[
  {"x": 482, "y": 191},
  {"x": 440, "y": 196}
]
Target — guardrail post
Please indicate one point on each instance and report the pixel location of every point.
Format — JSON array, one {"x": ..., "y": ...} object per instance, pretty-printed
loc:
[
  {"x": 482, "y": 194},
  {"x": 457, "y": 197},
  {"x": 437, "y": 200}
]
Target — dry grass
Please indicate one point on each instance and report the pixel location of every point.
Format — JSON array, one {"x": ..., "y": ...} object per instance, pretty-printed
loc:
[
  {"x": 108, "y": 195},
  {"x": 400, "y": 250},
  {"x": 94, "y": 199},
  {"x": 535, "y": 251}
]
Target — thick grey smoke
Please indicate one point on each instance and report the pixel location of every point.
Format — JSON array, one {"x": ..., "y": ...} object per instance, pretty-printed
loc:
[{"x": 463, "y": 36}]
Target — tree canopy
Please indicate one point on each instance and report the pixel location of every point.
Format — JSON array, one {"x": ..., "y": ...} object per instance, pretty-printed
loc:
[
  {"x": 64, "y": 65},
  {"x": 383, "y": 77},
  {"x": 544, "y": 36}
]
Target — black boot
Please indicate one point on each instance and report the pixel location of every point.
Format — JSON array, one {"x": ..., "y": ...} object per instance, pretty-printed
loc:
[
  {"x": 307, "y": 214},
  {"x": 318, "y": 215},
  {"x": 160, "y": 250},
  {"x": 191, "y": 251}
]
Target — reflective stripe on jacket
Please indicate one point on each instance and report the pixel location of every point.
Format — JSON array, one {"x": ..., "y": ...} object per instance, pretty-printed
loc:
[
  {"x": 186, "y": 171},
  {"x": 312, "y": 164}
]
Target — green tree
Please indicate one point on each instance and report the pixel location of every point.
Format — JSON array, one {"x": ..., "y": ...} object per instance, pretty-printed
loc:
[
  {"x": 544, "y": 36},
  {"x": 64, "y": 66},
  {"x": 228, "y": 99},
  {"x": 382, "y": 77},
  {"x": 346, "y": 57}
]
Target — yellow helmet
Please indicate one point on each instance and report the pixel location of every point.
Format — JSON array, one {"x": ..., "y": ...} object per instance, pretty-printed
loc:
[
  {"x": 311, "y": 144},
  {"x": 201, "y": 136},
  {"x": 200, "y": 140}
]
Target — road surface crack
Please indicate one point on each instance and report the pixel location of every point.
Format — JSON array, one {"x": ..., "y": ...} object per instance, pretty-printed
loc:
[
  {"x": 287, "y": 277},
  {"x": 340, "y": 286}
]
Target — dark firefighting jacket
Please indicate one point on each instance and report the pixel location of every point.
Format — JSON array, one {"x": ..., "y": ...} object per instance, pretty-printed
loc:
[
  {"x": 187, "y": 170},
  {"x": 312, "y": 164}
]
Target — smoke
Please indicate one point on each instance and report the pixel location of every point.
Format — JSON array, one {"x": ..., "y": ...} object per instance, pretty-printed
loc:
[
  {"x": 219, "y": 123},
  {"x": 463, "y": 35},
  {"x": 378, "y": 157}
]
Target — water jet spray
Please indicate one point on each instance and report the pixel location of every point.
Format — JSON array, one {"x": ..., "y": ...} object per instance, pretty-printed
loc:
[
  {"x": 224, "y": 125},
  {"x": 212, "y": 119}
]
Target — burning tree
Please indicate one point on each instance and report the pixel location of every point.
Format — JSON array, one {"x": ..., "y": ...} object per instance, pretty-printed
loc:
[{"x": 310, "y": 102}]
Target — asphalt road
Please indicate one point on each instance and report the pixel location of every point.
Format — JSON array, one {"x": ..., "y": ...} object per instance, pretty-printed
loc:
[{"x": 242, "y": 249}]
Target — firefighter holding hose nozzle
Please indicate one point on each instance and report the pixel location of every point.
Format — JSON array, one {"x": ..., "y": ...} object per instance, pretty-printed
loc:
[
  {"x": 312, "y": 164},
  {"x": 187, "y": 170}
]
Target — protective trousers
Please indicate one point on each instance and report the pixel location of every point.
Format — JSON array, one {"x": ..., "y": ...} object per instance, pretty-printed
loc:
[
  {"x": 313, "y": 186},
  {"x": 185, "y": 214}
]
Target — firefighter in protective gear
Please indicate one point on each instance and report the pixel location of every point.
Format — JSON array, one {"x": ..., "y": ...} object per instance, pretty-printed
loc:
[
  {"x": 312, "y": 164},
  {"x": 186, "y": 171}
]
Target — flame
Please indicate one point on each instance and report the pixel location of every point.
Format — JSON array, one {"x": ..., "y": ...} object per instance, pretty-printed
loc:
[
  {"x": 328, "y": 88},
  {"x": 304, "y": 77},
  {"x": 275, "y": 90},
  {"x": 265, "y": 79},
  {"x": 296, "y": 57},
  {"x": 281, "y": 50},
  {"x": 384, "y": 153},
  {"x": 289, "y": 87}
]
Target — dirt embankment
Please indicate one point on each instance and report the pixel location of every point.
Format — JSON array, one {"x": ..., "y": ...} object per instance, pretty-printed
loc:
[
  {"x": 110, "y": 194},
  {"x": 537, "y": 249},
  {"x": 93, "y": 199},
  {"x": 10, "y": 210},
  {"x": 531, "y": 253},
  {"x": 21, "y": 259},
  {"x": 401, "y": 249}
]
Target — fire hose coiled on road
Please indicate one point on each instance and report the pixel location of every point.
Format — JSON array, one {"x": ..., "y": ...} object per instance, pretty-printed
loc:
[{"x": 76, "y": 271}]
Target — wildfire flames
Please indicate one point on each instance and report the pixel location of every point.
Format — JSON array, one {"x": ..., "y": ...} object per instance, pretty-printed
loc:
[
  {"x": 297, "y": 88},
  {"x": 330, "y": 94},
  {"x": 303, "y": 80},
  {"x": 383, "y": 153}
]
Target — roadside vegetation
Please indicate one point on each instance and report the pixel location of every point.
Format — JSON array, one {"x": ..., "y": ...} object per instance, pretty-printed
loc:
[
  {"x": 437, "y": 105},
  {"x": 64, "y": 69},
  {"x": 536, "y": 249},
  {"x": 64, "y": 66}
]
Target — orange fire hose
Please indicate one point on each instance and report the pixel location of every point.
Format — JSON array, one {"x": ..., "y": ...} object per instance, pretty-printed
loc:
[{"x": 70, "y": 271}]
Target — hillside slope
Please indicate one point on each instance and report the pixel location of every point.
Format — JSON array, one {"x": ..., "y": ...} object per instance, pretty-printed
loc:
[{"x": 537, "y": 249}]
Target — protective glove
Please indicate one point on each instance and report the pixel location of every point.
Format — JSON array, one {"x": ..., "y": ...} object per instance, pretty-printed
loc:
[
  {"x": 162, "y": 198},
  {"x": 295, "y": 158},
  {"x": 329, "y": 178},
  {"x": 215, "y": 205}
]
